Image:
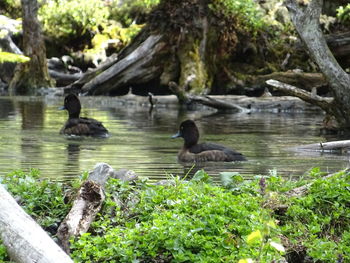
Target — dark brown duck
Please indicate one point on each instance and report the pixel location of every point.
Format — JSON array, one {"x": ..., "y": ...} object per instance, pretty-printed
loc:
[
  {"x": 80, "y": 126},
  {"x": 203, "y": 152}
]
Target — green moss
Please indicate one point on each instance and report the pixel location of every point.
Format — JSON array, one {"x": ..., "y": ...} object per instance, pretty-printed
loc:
[
  {"x": 194, "y": 75},
  {"x": 11, "y": 57}
]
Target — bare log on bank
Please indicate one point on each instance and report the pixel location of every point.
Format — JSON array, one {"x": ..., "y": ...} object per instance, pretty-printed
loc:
[
  {"x": 325, "y": 146},
  {"x": 88, "y": 202},
  {"x": 24, "y": 239}
]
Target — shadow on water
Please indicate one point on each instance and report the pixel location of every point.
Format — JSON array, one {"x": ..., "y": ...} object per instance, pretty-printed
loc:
[{"x": 140, "y": 140}]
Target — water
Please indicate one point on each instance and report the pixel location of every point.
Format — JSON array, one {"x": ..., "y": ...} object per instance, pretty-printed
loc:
[{"x": 140, "y": 141}]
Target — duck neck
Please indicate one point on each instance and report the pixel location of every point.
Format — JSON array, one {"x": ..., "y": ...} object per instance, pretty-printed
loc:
[
  {"x": 190, "y": 142},
  {"x": 74, "y": 115}
]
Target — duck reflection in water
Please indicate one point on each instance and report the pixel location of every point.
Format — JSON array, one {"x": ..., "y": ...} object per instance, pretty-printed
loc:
[
  {"x": 80, "y": 126},
  {"x": 203, "y": 152}
]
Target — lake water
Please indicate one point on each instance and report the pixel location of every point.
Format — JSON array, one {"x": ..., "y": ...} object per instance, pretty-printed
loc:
[{"x": 140, "y": 141}]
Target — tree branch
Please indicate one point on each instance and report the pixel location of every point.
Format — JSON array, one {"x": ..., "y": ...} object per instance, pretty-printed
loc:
[{"x": 323, "y": 103}]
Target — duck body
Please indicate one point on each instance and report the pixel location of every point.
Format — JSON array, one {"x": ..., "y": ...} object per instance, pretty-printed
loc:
[
  {"x": 192, "y": 151},
  {"x": 80, "y": 126}
]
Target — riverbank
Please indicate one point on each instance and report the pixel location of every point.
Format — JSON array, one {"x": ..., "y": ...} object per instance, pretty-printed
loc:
[{"x": 197, "y": 220}]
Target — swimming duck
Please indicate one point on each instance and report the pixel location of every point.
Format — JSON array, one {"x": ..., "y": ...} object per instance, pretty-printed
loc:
[
  {"x": 194, "y": 152},
  {"x": 76, "y": 125}
]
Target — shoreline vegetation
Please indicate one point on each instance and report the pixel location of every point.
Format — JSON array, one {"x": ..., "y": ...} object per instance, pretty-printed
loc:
[{"x": 194, "y": 220}]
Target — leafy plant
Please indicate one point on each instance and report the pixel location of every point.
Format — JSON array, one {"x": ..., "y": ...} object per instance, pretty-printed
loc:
[
  {"x": 62, "y": 18},
  {"x": 189, "y": 221},
  {"x": 343, "y": 13},
  {"x": 42, "y": 199},
  {"x": 247, "y": 13},
  {"x": 321, "y": 219}
]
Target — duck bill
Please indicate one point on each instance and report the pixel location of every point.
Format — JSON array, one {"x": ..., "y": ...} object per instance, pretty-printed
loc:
[
  {"x": 177, "y": 135},
  {"x": 62, "y": 108}
]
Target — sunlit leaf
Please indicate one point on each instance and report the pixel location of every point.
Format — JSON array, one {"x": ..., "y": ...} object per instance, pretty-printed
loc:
[
  {"x": 246, "y": 260},
  {"x": 277, "y": 246},
  {"x": 272, "y": 224},
  {"x": 254, "y": 236}
]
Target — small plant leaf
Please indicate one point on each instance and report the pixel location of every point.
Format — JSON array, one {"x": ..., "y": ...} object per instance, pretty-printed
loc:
[
  {"x": 254, "y": 236},
  {"x": 277, "y": 246}
]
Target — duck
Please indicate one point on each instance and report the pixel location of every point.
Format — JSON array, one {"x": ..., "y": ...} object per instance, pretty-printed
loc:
[
  {"x": 192, "y": 151},
  {"x": 80, "y": 126}
]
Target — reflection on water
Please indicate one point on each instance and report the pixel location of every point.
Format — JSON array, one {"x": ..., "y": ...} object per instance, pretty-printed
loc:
[{"x": 140, "y": 140}]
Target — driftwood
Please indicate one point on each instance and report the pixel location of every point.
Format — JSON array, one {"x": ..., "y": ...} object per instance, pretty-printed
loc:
[
  {"x": 220, "y": 105},
  {"x": 88, "y": 202},
  {"x": 134, "y": 69},
  {"x": 311, "y": 97},
  {"x": 307, "y": 81},
  {"x": 326, "y": 146},
  {"x": 24, "y": 239},
  {"x": 90, "y": 74}
]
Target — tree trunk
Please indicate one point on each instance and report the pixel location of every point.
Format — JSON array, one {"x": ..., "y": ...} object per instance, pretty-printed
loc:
[
  {"x": 179, "y": 44},
  {"x": 305, "y": 17},
  {"x": 34, "y": 74},
  {"x": 26, "y": 241}
]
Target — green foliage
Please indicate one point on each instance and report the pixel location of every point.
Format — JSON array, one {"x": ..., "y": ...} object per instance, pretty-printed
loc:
[
  {"x": 196, "y": 221},
  {"x": 62, "y": 18},
  {"x": 186, "y": 222},
  {"x": 321, "y": 219},
  {"x": 128, "y": 11},
  {"x": 42, "y": 199},
  {"x": 246, "y": 13},
  {"x": 3, "y": 253},
  {"x": 11, "y": 8},
  {"x": 343, "y": 14},
  {"x": 11, "y": 57}
]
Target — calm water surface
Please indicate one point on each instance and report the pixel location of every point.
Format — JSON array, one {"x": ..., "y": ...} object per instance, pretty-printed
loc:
[{"x": 140, "y": 141}]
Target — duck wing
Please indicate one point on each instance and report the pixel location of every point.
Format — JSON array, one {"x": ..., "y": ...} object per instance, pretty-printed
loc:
[
  {"x": 84, "y": 126},
  {"x": 231, "y": 155}
]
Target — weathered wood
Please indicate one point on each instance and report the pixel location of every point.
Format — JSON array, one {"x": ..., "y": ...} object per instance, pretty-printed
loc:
[
  {"x": 135, "y": 68},
  {"x": 325, "y": 146},
  {"x": 90, "y": 74},
  {"x": 88, "y": 202},
  {"x": 323, "y": 103},
  {"x": 305, "y": 17},
  {"x": 217, "y": 104},
  {"x": 304, "y": 80},
  {"x": 86, "y": 205},
  {"x": 24, "y": 239}
]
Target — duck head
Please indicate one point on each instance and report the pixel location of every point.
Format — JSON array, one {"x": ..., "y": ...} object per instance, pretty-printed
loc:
[
  {"x": 189, "y": 132},
  {"x": 72, "y": 105}
]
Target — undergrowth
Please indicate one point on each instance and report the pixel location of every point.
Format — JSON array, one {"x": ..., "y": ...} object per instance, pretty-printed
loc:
[{"x": 197, "y": 221}]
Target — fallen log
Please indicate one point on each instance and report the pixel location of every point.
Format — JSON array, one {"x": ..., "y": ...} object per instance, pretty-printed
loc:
[
  {"x": 88, "y": 203},
  {"x": 310, "y": 97},
  {"x": 129, "y": 69},
  {"x": 217, "y": 104},
  {"x": 325, "y": 146},
  {"x": 24, "y": 239},
  {"x": 306, "y": 80}
]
